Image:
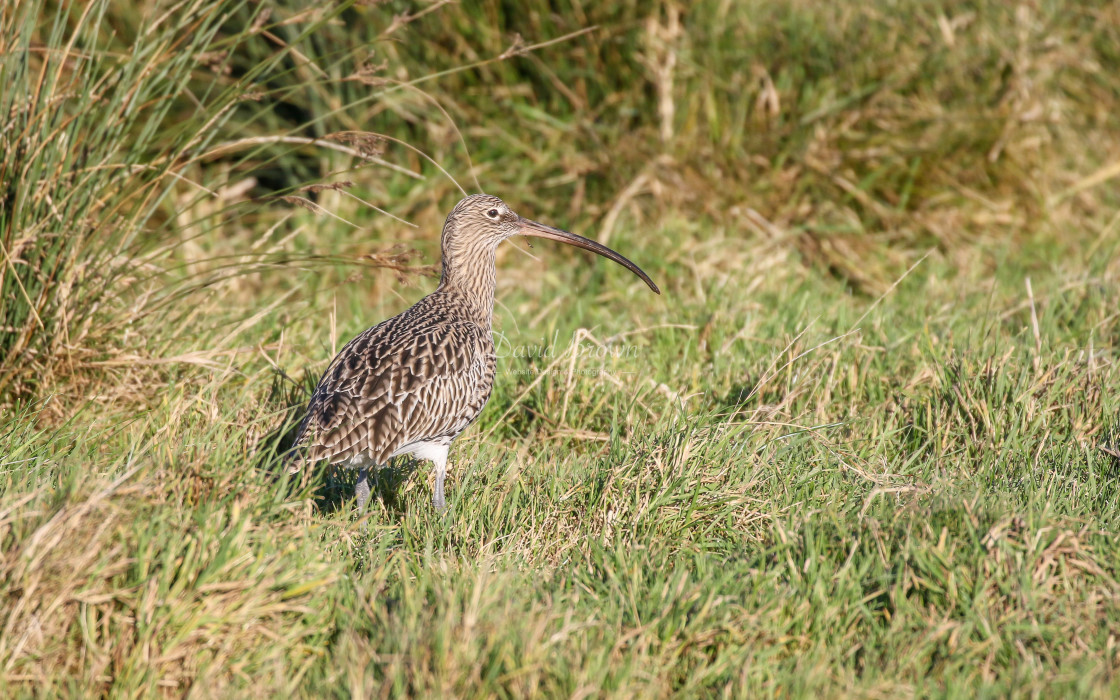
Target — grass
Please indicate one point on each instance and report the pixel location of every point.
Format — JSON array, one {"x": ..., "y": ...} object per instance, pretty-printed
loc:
[{"x": 865, "y": 444}]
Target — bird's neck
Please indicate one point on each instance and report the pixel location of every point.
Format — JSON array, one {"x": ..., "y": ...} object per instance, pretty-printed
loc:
[{"x": 472, "y": 276}]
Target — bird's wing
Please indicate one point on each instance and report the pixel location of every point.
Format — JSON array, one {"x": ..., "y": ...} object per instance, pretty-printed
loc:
[{"x": 395, "y": 384}]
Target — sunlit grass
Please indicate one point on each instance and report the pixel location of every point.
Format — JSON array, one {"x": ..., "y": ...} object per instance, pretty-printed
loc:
[{"x": 865, "y": 444}]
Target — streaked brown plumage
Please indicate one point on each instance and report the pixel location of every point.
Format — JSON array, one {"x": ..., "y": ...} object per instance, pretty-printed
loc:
[{"x": 413, "y": 383}]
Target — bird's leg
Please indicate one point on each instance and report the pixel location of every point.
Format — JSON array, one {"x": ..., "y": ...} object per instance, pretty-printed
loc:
[
  {"x": 437, "y": 499},
  {"x": 440, "y": 462},
  {"x": 361, "y": 490}
]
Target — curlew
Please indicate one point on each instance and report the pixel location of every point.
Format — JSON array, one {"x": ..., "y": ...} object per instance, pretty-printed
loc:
[{"x": 412, "y": 383}]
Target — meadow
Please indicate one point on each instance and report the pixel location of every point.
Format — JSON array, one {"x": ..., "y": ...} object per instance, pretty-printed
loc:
[{"x": 865, "y": 444}]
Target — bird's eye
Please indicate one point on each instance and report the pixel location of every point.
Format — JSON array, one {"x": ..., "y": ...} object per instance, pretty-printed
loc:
[{"x": 493, "y": 213}]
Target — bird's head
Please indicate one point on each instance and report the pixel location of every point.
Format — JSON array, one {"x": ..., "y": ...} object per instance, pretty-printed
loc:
[{"x": 482, "y": 220}]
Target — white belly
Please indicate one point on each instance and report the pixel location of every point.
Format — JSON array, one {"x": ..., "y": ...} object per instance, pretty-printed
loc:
[{"x": 432, "y": 451}]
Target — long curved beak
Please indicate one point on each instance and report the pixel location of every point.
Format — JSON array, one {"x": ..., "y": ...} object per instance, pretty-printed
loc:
[{"x": 532, "y": 228}]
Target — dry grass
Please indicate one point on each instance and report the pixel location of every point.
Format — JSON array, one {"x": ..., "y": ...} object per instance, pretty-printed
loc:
[{"x": 865, "y": 445}]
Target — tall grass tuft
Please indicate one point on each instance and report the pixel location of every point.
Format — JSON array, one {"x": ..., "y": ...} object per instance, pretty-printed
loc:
[
  {"x": 120, "y": 150},
  {"x": 97, "y": 126}
]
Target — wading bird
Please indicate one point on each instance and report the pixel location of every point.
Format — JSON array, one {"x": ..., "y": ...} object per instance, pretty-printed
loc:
[{"x": 411, "y": 384}]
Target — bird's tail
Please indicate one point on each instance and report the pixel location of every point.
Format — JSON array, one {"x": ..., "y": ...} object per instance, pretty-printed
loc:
[
  {"x": 293, "y": 460},
  {"x": 296, "y": 455}
]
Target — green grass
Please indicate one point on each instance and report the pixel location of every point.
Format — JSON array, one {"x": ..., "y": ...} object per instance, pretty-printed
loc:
[{"x": 865, "y": 444}]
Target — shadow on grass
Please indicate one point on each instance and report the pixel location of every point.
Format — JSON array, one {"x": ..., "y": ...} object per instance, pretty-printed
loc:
[{"x": 332, "y": 486}]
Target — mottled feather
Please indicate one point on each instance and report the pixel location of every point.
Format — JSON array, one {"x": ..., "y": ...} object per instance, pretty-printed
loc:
[{"x": 377, "y": 395}]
